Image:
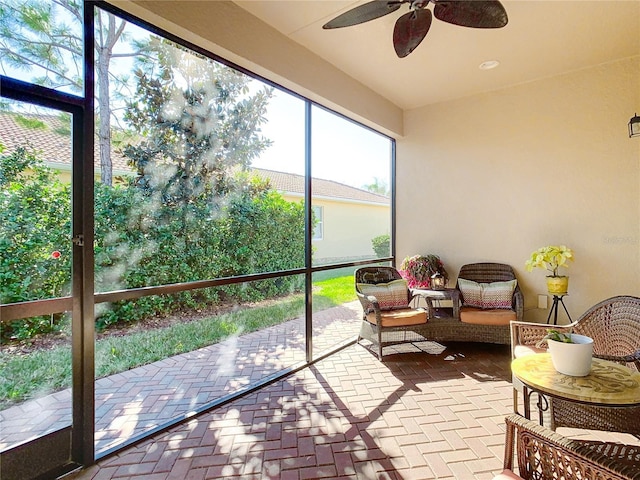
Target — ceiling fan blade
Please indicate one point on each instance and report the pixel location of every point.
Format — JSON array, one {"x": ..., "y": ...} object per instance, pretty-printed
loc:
[
  {"x": 471, "y": 13},
  {"x": 364, "y": 13},
  {"x": 410, "y": 30}
]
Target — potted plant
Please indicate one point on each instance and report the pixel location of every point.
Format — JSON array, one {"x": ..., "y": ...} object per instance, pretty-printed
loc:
[
  {"x": 418, "y": 270},
  {"x": 551, "y": 258},
  {"x": 571, "y": 353}
]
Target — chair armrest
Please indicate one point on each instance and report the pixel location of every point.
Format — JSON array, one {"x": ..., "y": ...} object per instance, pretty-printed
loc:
[
  {"x": 518, "y": 304},
  {"x": 456, "y": 302},
  {"x": 528, "y": 333},
  {"x": 542, "y": 453},
  {"x": 369, "y": 303},
  {"x": 626, "y": 359}
]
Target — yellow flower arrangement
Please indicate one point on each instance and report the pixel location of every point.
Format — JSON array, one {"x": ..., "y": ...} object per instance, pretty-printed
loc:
[{"x": 550, "y": 258}]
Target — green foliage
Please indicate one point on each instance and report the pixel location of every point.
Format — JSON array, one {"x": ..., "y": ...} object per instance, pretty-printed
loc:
[
  {"x": 559, "y": 336},
  {"x": 65, "y": 127},
  {"x": 35, "y": 222},
  {"x": 33, "y": 37},
  {"x": 378, "y": 186},
  {"x": 382, "y": 245},
  {"x": 44, "y": 39},
  {"x": 191, "y": 214},
  {"x": 200, "y": 123},
  {"x": 140, "y": 242},
  {"x": 550, "y": 258}
]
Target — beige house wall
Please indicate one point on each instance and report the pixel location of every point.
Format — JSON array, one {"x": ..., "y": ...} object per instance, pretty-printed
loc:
[
  {"x": 348, "y": 228},
  {"x": 547, "y": 162},
  {"x": 64, "y": 173}
]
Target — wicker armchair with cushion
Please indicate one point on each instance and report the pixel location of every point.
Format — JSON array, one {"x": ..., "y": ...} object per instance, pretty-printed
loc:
[
  {"x": 387, "y": 317},
  {"x": 481, "y": 322},
  {"x": 614, "y": 325},
  {"x": 544, "y": 455}
]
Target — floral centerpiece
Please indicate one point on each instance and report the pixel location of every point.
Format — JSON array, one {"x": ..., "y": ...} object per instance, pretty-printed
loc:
[
  {"x": 551, "y": 258},
  {"x": 418, "y": 270}
]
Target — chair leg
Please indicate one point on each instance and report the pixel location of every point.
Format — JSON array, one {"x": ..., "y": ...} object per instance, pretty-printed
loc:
[
  {"x": 361, "y": 332},
  {"x": 379, "y": 342}
]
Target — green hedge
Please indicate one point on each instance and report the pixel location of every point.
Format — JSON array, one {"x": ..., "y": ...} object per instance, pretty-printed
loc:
[{"x": 141, "y": 242}]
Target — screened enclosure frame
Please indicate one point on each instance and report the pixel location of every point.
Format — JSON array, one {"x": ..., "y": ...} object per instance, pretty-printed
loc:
[{"x": 83, "y": 298}]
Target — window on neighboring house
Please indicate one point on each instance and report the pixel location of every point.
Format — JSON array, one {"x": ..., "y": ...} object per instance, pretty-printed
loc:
[{"x": 318, "y": 219}]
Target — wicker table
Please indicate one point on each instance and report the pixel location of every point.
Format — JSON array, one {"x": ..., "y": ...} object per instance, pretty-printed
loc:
[
  {"x": 608, "y": 384},
  {"x": 431, "y": 296}
]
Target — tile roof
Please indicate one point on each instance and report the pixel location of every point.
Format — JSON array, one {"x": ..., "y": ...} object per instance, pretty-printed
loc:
[
  {"x": 294, "y": 184},
  {"x": 51, "y": 139}
]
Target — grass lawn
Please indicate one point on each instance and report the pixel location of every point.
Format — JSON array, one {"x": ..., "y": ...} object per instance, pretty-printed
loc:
[{"x": 44, "y": 371}]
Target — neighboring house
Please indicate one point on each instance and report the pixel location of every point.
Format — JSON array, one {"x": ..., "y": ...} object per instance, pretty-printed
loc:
[{"x": 347, "y": 218}]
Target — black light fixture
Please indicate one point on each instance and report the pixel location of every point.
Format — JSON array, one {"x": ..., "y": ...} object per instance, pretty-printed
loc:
[{"x": 634, "y": 126}]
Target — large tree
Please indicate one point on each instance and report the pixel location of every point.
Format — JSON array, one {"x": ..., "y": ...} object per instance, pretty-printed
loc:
[
  {"x": 200, "y": 121},
  {"x": 45, "y": 37}
]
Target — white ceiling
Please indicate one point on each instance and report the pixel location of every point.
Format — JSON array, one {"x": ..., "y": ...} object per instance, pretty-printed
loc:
[{"x": 543, "y": 38}]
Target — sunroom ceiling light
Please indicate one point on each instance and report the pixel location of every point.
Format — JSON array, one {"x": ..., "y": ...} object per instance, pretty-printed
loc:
[{"x": 488, "y": 65}]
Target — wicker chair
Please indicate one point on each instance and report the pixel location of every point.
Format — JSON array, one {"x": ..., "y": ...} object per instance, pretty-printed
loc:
[
  {"x": 614, "y": 325},
  {"x": 543, "y": 455},
  {"x": 489, "y": 273},
  {"x": 387, "y": 325}
]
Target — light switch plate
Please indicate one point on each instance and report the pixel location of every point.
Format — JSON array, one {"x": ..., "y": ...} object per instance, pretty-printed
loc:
[{"x": 542, "y": 301}]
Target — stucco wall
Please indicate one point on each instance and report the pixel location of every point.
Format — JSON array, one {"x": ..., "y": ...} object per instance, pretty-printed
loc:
[
  {"x": 349, "y": 229},
  {"x": 547, "y": 162}
]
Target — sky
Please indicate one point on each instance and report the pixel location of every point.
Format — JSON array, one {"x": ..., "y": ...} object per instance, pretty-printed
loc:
[{"x": 342, "y": 150}]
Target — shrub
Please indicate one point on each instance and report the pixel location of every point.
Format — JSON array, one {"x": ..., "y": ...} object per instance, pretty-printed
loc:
[
  {"x": 141, "y": 242},
  {"x": 382, "y": 245},
  {"x": 35, "y": 222}
]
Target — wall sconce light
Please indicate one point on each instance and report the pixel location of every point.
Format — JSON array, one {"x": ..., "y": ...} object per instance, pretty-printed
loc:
[{"x": 634, "y": 126}]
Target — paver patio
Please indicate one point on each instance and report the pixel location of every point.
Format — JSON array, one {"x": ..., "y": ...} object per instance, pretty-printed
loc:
[
  {"x": 429, "y": 411},
  {"x": 415, "y": 416},
  {"x": 140, "y": 399}
]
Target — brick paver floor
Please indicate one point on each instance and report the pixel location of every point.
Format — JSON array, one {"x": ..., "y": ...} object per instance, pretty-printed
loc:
[
  {"x": 418, "y": 415},
  {"x": 428, "y": 411},
  {"x": 138, "y": 400}
]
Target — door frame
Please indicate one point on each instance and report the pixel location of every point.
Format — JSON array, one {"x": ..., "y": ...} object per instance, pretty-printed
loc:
[{"x": 70, "y": 447}]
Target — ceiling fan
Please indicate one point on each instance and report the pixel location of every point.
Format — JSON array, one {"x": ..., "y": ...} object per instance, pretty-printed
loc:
[{"x": 412, "y": 27}]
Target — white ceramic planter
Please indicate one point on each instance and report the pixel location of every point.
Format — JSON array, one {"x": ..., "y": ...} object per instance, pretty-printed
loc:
[{"x": 572, "y": 358}]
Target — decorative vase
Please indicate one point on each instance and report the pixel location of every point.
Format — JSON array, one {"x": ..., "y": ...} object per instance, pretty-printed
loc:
[
  {"x": 558, "y": 285},
  {"x": 572, "y": 359}
]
